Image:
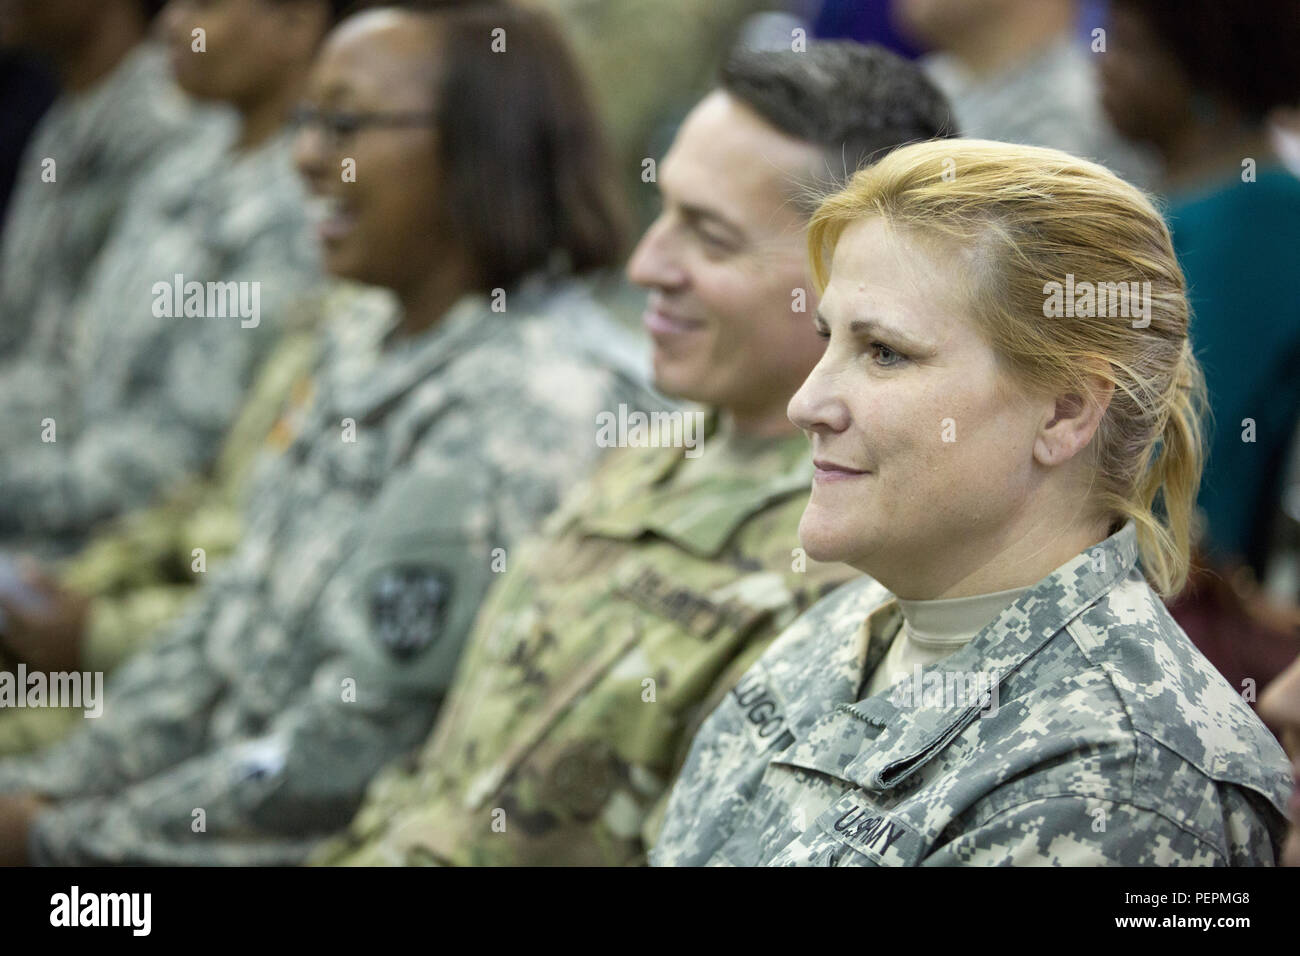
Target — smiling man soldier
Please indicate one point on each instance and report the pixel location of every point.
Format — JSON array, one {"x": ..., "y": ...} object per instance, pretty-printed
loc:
[{"x": 665, "y": 575}]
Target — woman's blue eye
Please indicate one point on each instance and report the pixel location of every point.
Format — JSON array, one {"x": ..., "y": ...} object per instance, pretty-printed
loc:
[{"x": 885, "y": 355}]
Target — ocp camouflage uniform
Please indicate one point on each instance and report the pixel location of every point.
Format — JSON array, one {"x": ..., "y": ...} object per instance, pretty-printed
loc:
[
  {"x": 1110, "y": 740},
  {"x": 590, "y": 661},
  {"x": 140, "y": 570},
  {"x": 102, "y": 141},
  {"x": 140, "y": 398},
  {"x": 320, "y": 651}
]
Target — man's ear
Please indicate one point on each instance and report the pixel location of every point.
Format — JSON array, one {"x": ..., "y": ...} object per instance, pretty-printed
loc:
[{"x": 1071, "y": 422}]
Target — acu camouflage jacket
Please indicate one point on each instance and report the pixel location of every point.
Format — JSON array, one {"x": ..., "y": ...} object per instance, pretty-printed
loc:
[{"x": 1105, "y": 738}]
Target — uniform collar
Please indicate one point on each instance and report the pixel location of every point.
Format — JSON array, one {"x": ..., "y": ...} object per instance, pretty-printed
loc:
[
  {"x": 912, "y": 736},
  {"x": 400, "y": 363},
  {"x": 646, "y": 492}
]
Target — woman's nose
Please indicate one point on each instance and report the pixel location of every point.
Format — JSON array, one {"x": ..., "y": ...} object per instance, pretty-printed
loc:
[
  {"x": 308, "y": 150},
  {"x": 817, "y": 406}
]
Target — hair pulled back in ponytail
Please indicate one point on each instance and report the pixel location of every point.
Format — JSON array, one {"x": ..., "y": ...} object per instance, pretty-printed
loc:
[{"x": 1035, "y": 226}]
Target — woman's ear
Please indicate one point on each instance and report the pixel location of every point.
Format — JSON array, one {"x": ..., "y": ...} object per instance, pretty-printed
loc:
[{"x": 1071, "y": 422}]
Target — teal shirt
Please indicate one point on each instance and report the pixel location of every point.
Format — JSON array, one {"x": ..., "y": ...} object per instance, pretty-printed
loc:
[{"x": 1239, "y": 246}]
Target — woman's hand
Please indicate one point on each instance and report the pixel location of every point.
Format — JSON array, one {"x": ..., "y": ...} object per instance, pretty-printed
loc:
[{"x": 46, "y": 634}]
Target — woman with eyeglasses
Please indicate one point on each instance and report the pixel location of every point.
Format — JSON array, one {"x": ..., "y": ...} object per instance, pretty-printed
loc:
[
  {"x": 1005, "y": 430},
  {"x": 427, "y": 440}
]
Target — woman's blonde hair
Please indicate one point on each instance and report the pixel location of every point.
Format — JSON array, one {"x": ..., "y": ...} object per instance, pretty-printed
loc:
[{"x": 1028, "y": 217}]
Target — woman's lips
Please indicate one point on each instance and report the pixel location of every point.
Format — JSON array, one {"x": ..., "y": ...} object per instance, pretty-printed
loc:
[
  {"x": 332, "y": 230},
  {"x": 333, "y": 220},
  {"x": 659, "y": 322},
  {"x": 830, "y": 471}
]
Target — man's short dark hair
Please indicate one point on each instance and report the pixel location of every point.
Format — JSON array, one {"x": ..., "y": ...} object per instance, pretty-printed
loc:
[{"x": 857, "y": 102}]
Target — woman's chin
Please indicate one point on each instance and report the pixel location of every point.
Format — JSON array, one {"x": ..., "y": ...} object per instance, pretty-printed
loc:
[{"x": 823, "y": 540}]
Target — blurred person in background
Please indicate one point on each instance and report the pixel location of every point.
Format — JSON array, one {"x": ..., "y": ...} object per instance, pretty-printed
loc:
[
  {"x": 1285, "y": 131},
  {"x": 27, "y": 88},
  {"x": 1016, "y": 71},
  {"x": 141, "y": 379},
  {"x": 137, "y": 573},
  {"x": 1282, "y": 573},
  {"x": 1199, "y": 81},
  {"x": 117, "y": 112},
  {"x": 430, "y": 438},
  {"x": 1280, "y": 709},
  {"x": 148, "y": 392},
  {"x": 666, "y": 572}
]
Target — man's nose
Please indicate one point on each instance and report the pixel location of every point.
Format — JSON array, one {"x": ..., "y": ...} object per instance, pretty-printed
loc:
[{"x": 654, "y": 262}]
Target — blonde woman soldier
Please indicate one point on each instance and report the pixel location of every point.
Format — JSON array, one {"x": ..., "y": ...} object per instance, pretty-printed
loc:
[{"x": 1014, "y": 458}]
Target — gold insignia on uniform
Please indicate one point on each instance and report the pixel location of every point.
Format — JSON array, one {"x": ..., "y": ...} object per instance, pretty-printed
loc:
[
  {"x": 582, "y": 778},
  {"x": 289, "y": 424}
]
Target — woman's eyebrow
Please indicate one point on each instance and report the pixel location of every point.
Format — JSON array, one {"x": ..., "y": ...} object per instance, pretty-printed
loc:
[{"x": 873, "y": 326}]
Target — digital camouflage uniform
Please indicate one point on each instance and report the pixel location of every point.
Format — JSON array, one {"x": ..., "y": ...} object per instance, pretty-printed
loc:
[
  {"x": 139, "y": 399},
  {"x": 1112, "y": 741},
  {"x": 140, "y": 570},
  {"x": 591, "y": 659},
  {"x": 101, "y": 141},
  {"x": 321, "y": 649}
]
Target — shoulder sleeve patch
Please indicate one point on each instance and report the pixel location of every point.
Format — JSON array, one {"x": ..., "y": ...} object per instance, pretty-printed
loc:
[{"x": 407, "y": 608}]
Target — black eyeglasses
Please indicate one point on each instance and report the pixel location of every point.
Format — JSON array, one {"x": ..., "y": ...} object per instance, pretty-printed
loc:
[{"x": 340, "y": 126}]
